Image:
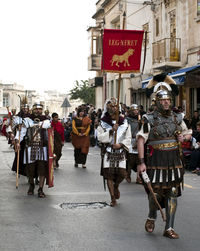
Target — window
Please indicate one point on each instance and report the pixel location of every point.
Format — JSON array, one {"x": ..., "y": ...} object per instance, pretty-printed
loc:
[
  {"x": 96, "y": 45},
  {"x": 107, "y": 89},
  {"x": 95, "y": 42},
  {"x": 157, "y": 26},
  {"x": 111, "y": 88},
  {"x": 5, "y": 100},
  {"x": 198, "y": 7}
]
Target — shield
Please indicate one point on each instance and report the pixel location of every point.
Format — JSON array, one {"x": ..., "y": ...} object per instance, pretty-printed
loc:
[{"x": 50, "y": 152}]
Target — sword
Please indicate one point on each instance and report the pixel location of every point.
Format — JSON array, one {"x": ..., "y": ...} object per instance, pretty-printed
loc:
[{"x": 148, "y": 182}]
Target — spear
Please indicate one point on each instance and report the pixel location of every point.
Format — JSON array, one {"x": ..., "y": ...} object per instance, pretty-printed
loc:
[
  {"x": 18, "y": 152},
  {"x": 119, "y": 86}
]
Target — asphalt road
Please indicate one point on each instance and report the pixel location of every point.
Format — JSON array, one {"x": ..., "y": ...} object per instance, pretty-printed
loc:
[{"x": 30, "y": 223}]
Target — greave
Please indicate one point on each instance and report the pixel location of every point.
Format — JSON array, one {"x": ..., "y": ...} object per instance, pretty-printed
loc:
[{"x": 171, "y": 205}]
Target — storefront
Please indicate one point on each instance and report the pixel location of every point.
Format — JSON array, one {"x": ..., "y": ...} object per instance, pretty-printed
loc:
[{"x": 188, "y": 80}]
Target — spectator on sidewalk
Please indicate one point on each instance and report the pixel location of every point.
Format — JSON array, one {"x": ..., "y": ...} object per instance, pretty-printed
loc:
[
  {"x": 194, "y": 120},
  {"x": 195, "y": 155}
]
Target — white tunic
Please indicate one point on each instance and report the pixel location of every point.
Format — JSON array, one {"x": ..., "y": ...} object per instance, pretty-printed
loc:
[{"x": 123, "y": 137}]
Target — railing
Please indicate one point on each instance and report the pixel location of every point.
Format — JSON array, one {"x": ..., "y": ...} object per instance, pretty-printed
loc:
[{"x": 166, "y": 50}]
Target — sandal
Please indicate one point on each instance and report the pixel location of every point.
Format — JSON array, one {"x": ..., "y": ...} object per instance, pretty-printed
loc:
[
  {"x": 113, "y": 202},
  {"x": 149, "y": 225},
  {"x": 41, "y": 194},
  {"x": 31, "y": 189},
  {"x": 170, "y": 233}
]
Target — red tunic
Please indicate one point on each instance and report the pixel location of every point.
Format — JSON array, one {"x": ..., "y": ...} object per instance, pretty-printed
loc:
[{"x": 59, "y": 128}]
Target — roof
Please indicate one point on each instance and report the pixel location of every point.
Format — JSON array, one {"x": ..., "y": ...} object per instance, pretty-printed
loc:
[{"x": 66, "y": 103}]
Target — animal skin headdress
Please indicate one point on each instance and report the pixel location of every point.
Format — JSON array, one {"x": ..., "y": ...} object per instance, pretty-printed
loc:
[
  {"x": 112, "y": 101},
  {"x": 163, "y": 82}
]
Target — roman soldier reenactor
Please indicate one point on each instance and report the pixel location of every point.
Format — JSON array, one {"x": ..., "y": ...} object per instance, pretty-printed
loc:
[
  {"x": 133, "y": 119},
  {"x": 115, "y": 139},
  {"x": 163, "y": 131},
  {"x": 17, "y": 121},
  {"x": 34, "y": 132}
]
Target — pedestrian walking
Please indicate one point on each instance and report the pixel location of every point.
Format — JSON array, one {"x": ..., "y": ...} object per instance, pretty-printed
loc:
[
  {"x": 59, "y": 137},
  {"x": 80, "y": 137}
]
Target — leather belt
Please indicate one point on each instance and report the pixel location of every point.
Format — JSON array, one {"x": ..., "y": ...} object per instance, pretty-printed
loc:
[{"x": 165, "y": 145}]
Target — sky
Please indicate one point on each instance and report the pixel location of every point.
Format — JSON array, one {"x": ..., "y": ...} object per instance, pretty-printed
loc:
[{"x": 44, "y": 43}]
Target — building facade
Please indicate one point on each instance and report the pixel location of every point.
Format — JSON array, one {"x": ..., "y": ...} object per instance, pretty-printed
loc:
[
  {"x": 173, "y": 35},
  {"x": 11, "y": 96}
]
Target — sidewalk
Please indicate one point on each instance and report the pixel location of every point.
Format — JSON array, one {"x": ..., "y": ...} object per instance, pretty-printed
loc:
[{"x": 7, "y": 154}]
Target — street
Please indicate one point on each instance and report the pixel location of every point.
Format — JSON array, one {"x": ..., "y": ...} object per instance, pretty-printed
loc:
[{"x": 30, "y": 223}]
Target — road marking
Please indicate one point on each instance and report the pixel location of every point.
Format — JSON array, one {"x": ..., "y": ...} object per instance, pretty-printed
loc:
[{"x": 188, "y": 186}]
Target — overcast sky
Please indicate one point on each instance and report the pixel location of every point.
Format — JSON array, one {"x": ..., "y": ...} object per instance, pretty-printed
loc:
[{"x": 44, "y": 43}]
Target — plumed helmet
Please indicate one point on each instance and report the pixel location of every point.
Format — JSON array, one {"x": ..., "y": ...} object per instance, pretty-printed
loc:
[
  {"x": 24, "y": 106},
  {"x": 163, "y": 94},
  {"x": 24, "y": 102},
  {"x": 164, "y": 80}
]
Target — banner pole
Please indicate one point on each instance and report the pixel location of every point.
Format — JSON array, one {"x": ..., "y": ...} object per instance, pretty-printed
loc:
[
  {"x": 119, "y": 85},
  {"x": 145, "y": 50}
]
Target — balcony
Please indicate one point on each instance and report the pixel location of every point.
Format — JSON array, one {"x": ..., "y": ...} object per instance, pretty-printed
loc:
[
  {"x": 166, "y": 54},
  {"x": 94, "y": 62}
]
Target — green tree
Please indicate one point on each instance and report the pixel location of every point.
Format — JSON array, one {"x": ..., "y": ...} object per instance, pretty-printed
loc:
[{"x": 83, "y": 91}]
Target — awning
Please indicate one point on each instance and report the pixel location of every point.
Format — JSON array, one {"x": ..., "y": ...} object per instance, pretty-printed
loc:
[
  {"x": 145, "y": 82},
  {"x": 179, "y": 76}
]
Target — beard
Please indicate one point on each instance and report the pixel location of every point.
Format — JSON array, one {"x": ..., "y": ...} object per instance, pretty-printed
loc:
[
  {"x": 160, "y": 108},
  {"x": 112, "y": 113},
  {"x": 133, "y": 115}
]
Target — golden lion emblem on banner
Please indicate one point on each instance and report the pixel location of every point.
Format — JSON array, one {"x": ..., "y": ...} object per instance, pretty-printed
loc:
[{"x": 122, "y": 58}]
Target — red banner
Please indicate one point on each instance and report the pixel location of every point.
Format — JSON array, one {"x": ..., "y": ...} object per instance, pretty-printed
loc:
[
  {"x": 121, "y": 50},
  {"x": 50, "y": 152}
]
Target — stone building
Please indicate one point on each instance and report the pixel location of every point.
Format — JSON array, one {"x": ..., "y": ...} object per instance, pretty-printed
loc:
[
  {"x": 109, "y": 15},
  {"x": 173, "y": 46},
  {"x": 11, "y": 96}
]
